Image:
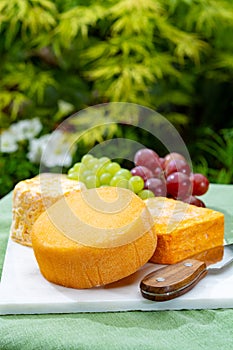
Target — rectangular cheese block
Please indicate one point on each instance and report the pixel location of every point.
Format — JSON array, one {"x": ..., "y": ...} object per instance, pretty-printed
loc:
[{"x": 183, "y": 230}]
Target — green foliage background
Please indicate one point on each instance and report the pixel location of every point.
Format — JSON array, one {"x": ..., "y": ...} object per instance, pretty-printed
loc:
[{"x": 174, "y": 56}]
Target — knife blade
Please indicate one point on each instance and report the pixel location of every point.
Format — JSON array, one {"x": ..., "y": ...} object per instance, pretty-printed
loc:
[{"x": 172, "y": 281}]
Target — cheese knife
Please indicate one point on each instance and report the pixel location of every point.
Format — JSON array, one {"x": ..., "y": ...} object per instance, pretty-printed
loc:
[{"x": 174, "y": 280}]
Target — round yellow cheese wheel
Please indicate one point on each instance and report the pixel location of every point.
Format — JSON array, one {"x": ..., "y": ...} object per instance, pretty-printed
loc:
[{"x": 93, "y": 237}]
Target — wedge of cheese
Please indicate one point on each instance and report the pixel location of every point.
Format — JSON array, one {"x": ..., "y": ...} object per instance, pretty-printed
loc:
[
  {"x": 32, "y": 196},
  {"x": 93, "y": 237},
  {"x": 183, "y": 230}
]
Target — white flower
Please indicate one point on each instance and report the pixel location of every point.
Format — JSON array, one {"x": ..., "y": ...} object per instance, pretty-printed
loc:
[
  {"x": 36, "y": 148},
  {"x": 51, "y": 150},
  {"x": 26, "y": 129},
  {"x": 8, "y": 142},
  {"x": 57, "y": 151}
]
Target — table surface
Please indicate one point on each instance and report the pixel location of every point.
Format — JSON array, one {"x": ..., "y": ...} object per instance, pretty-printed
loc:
[{"x": 186, "y": 329}]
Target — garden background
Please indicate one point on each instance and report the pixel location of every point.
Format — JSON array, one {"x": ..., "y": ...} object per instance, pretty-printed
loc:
[{"x": 173, "y": 56}]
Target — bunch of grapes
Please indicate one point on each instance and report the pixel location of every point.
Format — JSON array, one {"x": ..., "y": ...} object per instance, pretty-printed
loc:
[
  {"x": 151, "y": 176},
  {"x": 97, "y": 172},
  {"x": 170, "y": 176}
]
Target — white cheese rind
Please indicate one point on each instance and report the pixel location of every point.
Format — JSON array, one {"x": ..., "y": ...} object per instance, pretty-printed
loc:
[{"x": 32, "y": 196}]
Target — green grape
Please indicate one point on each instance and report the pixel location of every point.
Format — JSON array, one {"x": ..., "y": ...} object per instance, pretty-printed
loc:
[
  {"x": 83, "y": 175},
  {"x": 104, "y": 160},
  {"x": 136, "y": 184},
  {"x": 73, "y": 176},
  {"x": 105, "y": 179},
  {"x": 119, "y": 181},
  {"x": 85, "y": 159},
  {"x": 83, "y": 167},
  {"x": 96, "y": 168},
  {"x": 91, "y": 163},
  {"x": 144, "y": 194},
  {"x": 96, "y": 172},
  {"x": 124, "y": 173},
  {"x": 75, "y": 173},
  {"x": 71, "y": 170},
  {"x": 101, "y": 170},
  {"x": 92, "y": 181},
  {"x": 77, "y": 167},
  {"x": 113, "y": 168}
]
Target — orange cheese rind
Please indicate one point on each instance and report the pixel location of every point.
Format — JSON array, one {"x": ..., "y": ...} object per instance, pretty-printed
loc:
[
  {"x": 123, "y": 240},
  {"x": 183, "y": 230}
]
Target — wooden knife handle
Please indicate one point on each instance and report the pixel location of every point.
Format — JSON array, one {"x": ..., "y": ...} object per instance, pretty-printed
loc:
[{"x": 171, "y": 281}]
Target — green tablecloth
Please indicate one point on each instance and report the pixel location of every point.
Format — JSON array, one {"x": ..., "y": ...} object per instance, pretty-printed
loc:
[{"x": 198, "y": 329}]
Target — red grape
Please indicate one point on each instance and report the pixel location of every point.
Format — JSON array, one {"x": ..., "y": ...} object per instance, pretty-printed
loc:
[
  {"x": 177, "y": 165},
  {"x": 148, "y": 158},
  {"x": 200, "y": 184},
  {"x": 194, "y": 201},
  {"x": 142, "y": 171},
  {"x": 162, "y": 161},
  {"x": 169, "y": 176},
  {"x": 172, "y": 156},
  {"x": 179, "y": 185},
  {"x": 158, "y": 173},
  {"x": 157, "y": 186}
]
